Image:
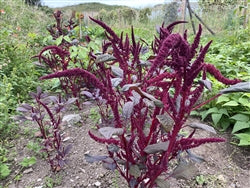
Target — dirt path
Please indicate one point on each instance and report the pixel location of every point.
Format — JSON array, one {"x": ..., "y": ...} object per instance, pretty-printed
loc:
[{"x": 226, "y": 166}]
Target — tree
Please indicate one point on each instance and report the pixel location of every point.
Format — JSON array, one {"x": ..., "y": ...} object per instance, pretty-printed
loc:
[
  {"x": 33, "y": 2},
  {"x": 144, "y": 14},
  {"x": 171, "y": 12},
  {"x": 128, "y": 15},
  {"x": 208, "y": 5}
]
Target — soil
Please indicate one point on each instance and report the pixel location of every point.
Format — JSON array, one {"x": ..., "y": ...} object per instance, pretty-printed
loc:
[{"x": 225, "y": 166}]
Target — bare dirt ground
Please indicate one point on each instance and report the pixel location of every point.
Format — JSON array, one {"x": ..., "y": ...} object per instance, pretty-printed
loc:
[{"x": 226, "y": 166}]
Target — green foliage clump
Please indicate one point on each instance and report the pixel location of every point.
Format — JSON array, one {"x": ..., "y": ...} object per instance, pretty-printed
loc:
[
  {"x": 21, "y": 37},
  {"x": 144, "y": 14},
  {"x": 230, "y": 54}
]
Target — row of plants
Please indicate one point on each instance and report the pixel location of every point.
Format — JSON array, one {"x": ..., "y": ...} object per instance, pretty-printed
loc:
[
  {"x": 144, "y": 100},
  {"x": 21, "y": 37}
]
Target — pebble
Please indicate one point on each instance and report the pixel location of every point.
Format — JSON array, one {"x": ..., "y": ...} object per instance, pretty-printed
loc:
[
  {"x": 97, "y": 184},
  {"x": 222, "y": 178},
  {"x": 66, "y": 139},
  {"x": 27, "y": 171},
  {"x": 39, "y": 179},
  {"x": 40, "y": 186}
]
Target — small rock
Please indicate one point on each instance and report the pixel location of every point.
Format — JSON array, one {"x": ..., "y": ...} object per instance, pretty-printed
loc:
[
  {"x": 40, "y": 186},
  {"x": 38, "y": 134},
  {"x": 71, "y": 180},
  {"x": 97, "y": 184},
  {"x": 222, "y": 178},
  {"x": 66, "y": 139},
  {"x": 39, "y": 179},
  {"x": 27, "y": 171},
  {"x": 72, "y": 119}
]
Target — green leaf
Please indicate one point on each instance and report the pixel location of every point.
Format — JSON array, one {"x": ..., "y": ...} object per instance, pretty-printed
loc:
[
  {"x": 223, "y": 111},
  {"x": 28, "y": 161},
  {"x": 231, "y": 103},
  {"x": 224, "y": 123},
  {"x": 67, "y": 38},
  {"x": 240, "y": 117},
  {"x": 222, "y": 98},
  {"x": 239, "y": 125},
  {"x": 194, "y": 113},
  {"x": 59, "y": 40},
  {"x": 244, "y": 139},
  {"x": 4, "y": 171},
  {"x": 216, "y": 118},
  {"x": 244, "y": 101}
]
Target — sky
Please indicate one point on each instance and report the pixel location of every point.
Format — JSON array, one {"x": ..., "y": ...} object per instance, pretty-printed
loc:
[{"x": 131, "y": 3}]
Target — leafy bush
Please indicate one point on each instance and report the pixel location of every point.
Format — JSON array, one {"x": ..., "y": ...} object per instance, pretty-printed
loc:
[
  {"x": 144, "y": 104},
  {"x": 230, "y": 111}
]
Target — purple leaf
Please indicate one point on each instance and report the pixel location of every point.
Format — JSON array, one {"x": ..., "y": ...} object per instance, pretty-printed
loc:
[
  {"x": 135, "y": 171},
  {"x": 67, "y": 149},
  {"x": 54, "y": 99},
  {"x": 161, "y": 183},
  {"x": 70, "y": 101},
  {"x": 155, "y": 148},
  {"x": 107, "y": 132},
  {"x": 22, "y": 109},
  {"x": 92, "y": 159},
  {"x": 37, "y": 63},
  {"x": 194, "y": 157},
  {"x": 87, "y": 93},
  {"x": 117, "y": 71},
  {"x": 156, "y": 102},
  {"x": 128, "y": 86},
  {"x": 104, "y": 58},
  {"x": 39, "y": 90},
  {"x": 240, "y": 87},
  {"x": 202, "y": 126},
  {"x": 166, "y": 121},
  {"x": 116, "y": 81},
  {"x": 145, "y": 63},
  {"x": 185, "y": 171},
  {"x": 127, "y": 109},
  {"x": 113, "y": 148},
  {"x": 33, "y": 95},
  {"x": 109, "y": 164},
  {"x": 144, "y": 50},
  {"x": 207, "y": 84},
  {"x": 135, "y": 98}
]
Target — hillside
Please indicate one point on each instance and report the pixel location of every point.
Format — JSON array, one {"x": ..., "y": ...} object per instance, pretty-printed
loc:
[{"x": 91, "y": 7}]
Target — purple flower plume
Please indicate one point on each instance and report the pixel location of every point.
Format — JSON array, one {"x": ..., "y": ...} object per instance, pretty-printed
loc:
[
  {"x": 217, "y": 74},
  {"x": 78, "y": 72}
]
